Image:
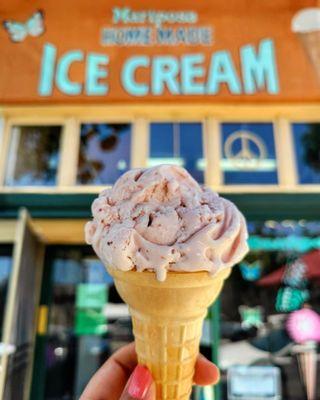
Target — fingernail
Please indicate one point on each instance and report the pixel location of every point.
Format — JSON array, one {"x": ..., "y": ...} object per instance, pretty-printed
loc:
[
  {"x": 218, "y": 377},
  {"x": 140, "y": 382}
]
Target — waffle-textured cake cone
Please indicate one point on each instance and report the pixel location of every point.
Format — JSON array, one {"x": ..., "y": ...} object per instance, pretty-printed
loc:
[
  {"x": 311, "y": 44},
  {"x": 167, "y": 322}
]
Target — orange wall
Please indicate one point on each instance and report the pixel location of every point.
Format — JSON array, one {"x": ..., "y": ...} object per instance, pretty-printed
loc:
[{"x": 77, "y": 24}]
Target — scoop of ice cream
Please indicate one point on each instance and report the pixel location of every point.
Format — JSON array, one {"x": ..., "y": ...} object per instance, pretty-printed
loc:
[
  {"x": 306, "y": 20},
  {"x": 160, "y": 219}
]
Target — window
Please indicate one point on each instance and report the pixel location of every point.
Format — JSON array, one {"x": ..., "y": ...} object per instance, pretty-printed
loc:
[
  {"x": 248, "y": 153},
  {"x": 33, "y": 156},
  {"x": 278, "y": 275},
  {"x": 307, "y": 150},
  {"x": 179, "y": 144},
  {"x": 104, "y": 153}
]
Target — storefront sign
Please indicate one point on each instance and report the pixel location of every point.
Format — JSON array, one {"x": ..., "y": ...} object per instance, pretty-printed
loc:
[
  {"x": 90, "y": 301},
  {"x": 178, "y": 75},
  {"x": 91, "y": 295},
  {"x": 183, "y": 51},
  {"x": 296, "y": 243},
  {"x": 90, "y": 321}
]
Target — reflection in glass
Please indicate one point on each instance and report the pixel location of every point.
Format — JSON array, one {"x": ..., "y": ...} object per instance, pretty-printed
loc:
[
  {"x": 253, "y": 329},
  {"x": 248, "y": 153},
  {"x": 5, "y": 270},
  {"x": 104, "y": 153},
  {"x": 33, "y": 156},
  {"x": 83, "y": 302},
  {"x": 179, "y": 144},
  {"x": 307, "y": 149}
]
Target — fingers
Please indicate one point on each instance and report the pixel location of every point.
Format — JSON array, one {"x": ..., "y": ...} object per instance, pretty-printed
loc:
[
  {"x": 140, "y": 385},
  {"x": 114, "y": 381},
  {"x": 110, "y": 380},
  {"x": 206, "y": 373}
]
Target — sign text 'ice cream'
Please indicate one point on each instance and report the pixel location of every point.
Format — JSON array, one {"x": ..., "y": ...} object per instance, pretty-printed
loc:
[{"x": 189, "y": 74}]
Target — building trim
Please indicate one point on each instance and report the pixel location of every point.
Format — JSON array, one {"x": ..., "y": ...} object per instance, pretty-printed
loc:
[
  {"x": 255, "y": 206},
  {"x": 140, "y": 116}
]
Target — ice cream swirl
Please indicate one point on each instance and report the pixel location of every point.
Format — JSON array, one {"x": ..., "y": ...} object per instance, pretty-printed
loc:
[{"x": 161, "y": 219}]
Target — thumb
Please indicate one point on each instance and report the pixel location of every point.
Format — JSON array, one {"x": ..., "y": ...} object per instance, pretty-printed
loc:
[{"x": 140, "y": 385}]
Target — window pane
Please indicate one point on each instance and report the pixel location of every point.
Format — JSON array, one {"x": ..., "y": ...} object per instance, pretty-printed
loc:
[
  {"x": 5, "y": 272},
  {"x": 307, "y": 148},
  {"x": 279, "y": 275},
  {"x": 248, "y": 153},
  {"x": 87, "y": 322},
  {"x": 179, "y": 144},
  {"x": 33, "y": 156},
  {"x": 104, "y": 153}
]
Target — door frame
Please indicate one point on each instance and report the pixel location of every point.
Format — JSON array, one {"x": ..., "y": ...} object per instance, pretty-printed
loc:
[
  {"x": 23, "y": 225},
  {"x": 38, "y": 368},
  {"x": 46, "y": 298}
]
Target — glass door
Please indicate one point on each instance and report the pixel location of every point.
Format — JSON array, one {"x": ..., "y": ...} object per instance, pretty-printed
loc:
[
  {"x": 87, "y": 322},
  {"x": 279, "y": 275},
  {"x": 20, "y": 314}
]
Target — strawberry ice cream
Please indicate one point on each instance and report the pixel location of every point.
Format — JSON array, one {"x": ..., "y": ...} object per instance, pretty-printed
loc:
[{"x": 160, "y": 219}]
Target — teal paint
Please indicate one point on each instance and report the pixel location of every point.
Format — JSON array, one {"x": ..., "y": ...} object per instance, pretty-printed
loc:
[
  {"x": 62, "y": 75},
  {"x": 259, "y": 69},
  {"x": 255, "y": 206},
  {"x": 185, "y": 75},
  {"x": 128, "y": 75},
  {"x": 288, "y": 243},
  {"x": 191, "y": 70},
  {"x": 47, "y": 70},
  {"x": 165, "y": 71},
  {"x": 222, "y": 70},
  {"x": 95, "y": 72}
]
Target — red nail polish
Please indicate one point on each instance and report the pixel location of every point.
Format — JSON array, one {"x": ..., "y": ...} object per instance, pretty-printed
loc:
[{"x": 140, "y": 382}]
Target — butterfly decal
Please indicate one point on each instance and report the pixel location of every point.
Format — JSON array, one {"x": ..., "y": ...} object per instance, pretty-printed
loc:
[
  {"x": 18, "y": 31},
  {"x": 250, "y": 272}
]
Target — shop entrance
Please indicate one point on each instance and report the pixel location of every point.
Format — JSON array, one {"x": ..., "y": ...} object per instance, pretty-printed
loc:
[
  {"x": 87, "y": 322},
  {"x": 21, "y": 272}
]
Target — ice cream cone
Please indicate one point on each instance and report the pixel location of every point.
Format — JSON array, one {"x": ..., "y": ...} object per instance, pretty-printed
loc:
[
  {"x": 308, "y": 369},
  {"x": 149, "y": 225},
  {"x": 311, "y": 45},
  {"x": 167, "y": 322},
  {"x": 306, "y": 25}
]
